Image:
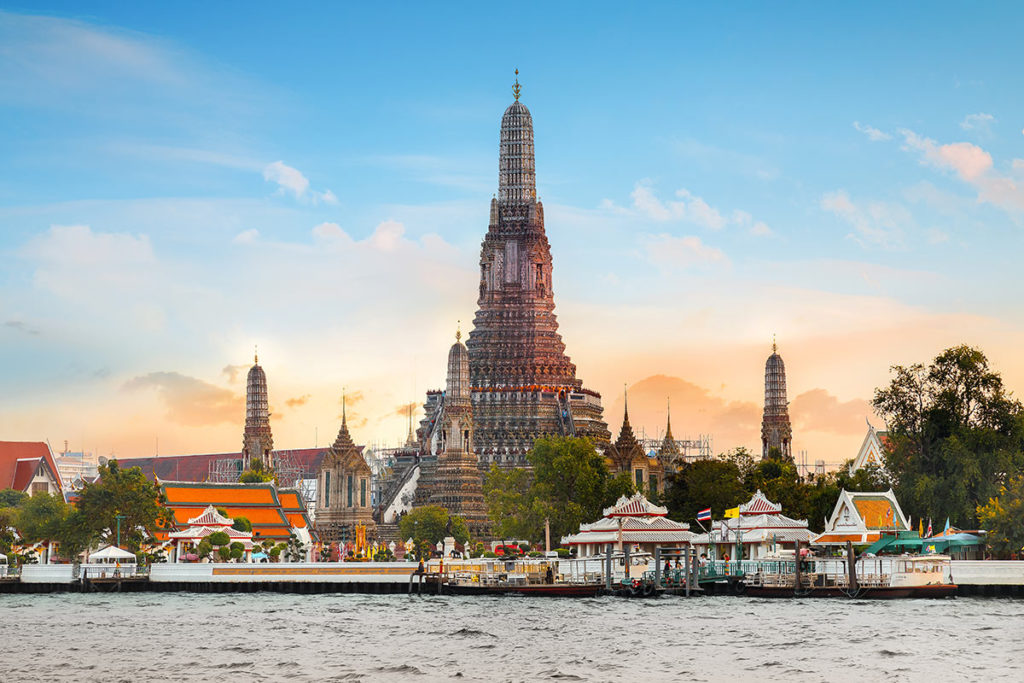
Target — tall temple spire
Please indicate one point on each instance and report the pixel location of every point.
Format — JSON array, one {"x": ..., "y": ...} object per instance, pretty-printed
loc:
[
  {"x": 343, "y": 442},
  {"x": 776, "y": 430},
  {"x": 516, "y": 88},
  {"x": 669, "y": 449},
  {"x": 517, "y": 361},
  {"x": 257, "y": 440}
]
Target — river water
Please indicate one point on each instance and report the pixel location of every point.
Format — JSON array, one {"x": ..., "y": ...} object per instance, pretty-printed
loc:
[{"x": 269, "y": 637}]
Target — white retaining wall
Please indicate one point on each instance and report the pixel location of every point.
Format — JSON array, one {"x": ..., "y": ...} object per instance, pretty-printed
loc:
[
  {"x": 320, "y": 572},
  {"x": 987, "y": 572},
  {"x": 46, "y": 573}
]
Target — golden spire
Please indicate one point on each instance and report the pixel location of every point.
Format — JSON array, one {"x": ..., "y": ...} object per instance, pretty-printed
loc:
[
  {"x": 516, "y": 88},
  {"x": 458, "y": 330}
]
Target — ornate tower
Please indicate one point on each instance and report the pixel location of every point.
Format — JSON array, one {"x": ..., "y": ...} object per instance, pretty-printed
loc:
[
  {"x": 343, "y": 490},
  {"x": 627, "y": 455},
  {"x": 458, "y": 482},
  {"x": 776, "y": 432},
  {"x": 523, "y": 383},
  {"x": 668, "y": 451},
  {"x": 257, "y": 441}
]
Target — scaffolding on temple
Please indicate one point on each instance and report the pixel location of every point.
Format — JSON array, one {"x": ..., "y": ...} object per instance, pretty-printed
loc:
[
  {"x": 225, "y": 470},
  {"x": 699, "y": 448}
]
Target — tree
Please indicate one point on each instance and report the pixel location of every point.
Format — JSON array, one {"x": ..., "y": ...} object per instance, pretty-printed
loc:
[
  {"x": 128, "y": 493},
  {"x": 701, "y": 484},
  {"x": 510, "y": 504},
  {"x": 9, "y": 498},
  {"x": 46, "y": 517},
  {"x": 955, "y": 434},
  {"x": 1003, "y": 518},
  {"x": 430, "y": 523},
  {"x": 257, "y": 472},
  {"x": 219, "y": 538},
  {"x": 242, "y": 524}
]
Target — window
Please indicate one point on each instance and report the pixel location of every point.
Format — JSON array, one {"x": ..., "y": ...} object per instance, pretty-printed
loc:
[
  {"x": 350, "y": 490},
  {"x": 40, "y": 487},
  {"x": 362, "y": 493},
  {"x": 653, "y": 483},
  {"x": 638, "y": 475},
  {"x": 327, "y": 489}
]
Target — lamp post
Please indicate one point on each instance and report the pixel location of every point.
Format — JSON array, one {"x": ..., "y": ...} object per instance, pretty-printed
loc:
[{"x": 119, "y": 518}]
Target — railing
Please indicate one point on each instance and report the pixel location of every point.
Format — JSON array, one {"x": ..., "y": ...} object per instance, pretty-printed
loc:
[{"x": 113, "y": 572}]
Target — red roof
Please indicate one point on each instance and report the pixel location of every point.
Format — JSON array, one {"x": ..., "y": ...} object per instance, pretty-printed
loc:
[
  {"x": 20, "y": 460},
  {"x": 197, "y": 467}
]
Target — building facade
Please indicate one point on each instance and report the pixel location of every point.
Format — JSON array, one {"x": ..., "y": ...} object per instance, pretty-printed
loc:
[
  {"x": 627, "y": 455},
  {"x": 776, "y": 431},
  {"x": 343, "y": 491},
  {"x": 523, "y": 384}
]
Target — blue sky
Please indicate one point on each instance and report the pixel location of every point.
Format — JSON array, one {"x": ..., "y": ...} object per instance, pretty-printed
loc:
[{"x": 182, "y": 182}]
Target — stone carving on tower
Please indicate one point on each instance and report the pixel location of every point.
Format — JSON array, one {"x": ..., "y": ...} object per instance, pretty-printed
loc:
[
  {"x": 458, "y": 484},
  {"x": 776, "y": 431},
  {"x": 343, "y": 490},
  {"x": 257, "y": 441},
  {"x": 523, "y": 384}
]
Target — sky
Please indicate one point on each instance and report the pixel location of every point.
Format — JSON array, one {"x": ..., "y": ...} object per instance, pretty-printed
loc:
[{"x": 182, "y": 183}]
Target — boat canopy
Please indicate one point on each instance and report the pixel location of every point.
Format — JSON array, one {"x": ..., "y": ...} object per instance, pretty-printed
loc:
[
  {"x": 900, "y": 542},
  {"x": 942, "y": 544}
]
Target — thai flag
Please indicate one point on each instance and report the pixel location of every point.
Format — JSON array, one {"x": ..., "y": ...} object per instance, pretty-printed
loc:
[{"x": 704, "y": 515}]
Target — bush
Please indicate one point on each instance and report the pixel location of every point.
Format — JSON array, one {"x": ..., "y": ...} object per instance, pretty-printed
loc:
[
  {"x": 275, "y": 552},
  {"x": 490, "y": 553},
  {"x": 242, "y": 524},
  {"x": 219, "y": 538},
  {"x": 236, "y": 553},
  {"x": 525, "y": 547},
  {"x": 224, "y": 553},
  {"x": 237, "y": 545},
  {"x": 562, "y": 552},
  {"x": 204, "y": 548},
  {"x": 535, "y": 553}
]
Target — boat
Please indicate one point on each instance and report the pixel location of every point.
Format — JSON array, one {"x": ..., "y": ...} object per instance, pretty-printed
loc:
[
  {"x": 890, "y": 577},
  {"x": 523, "y": 576}
]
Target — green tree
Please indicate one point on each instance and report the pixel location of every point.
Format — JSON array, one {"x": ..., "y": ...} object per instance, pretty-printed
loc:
[
  {"x": 1003, "y": 517},
  {"x": 242, "y": 524},
  {"x": 510, "y": 504},
  {"x": 46, "y": 517},
  {"x": 709, "y": 482},
  {"x": 204, "y": 548},
  {"x": 128, "y": 493},
  {"x": 218, "y": 538},
  {"x": 257, "y": 472},
  {"x": 955, "y": 434},
  {"x": 430, "y": 523},
  {"x": 9, "y": 498}
]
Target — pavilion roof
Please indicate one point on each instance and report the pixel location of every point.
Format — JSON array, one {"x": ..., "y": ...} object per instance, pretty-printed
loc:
[
  {"x": 257, "y": 502},
  {"x": 759, "y": 504},
  {"x": 636, "y": 505},
  {"x": 210, "y": 517}
]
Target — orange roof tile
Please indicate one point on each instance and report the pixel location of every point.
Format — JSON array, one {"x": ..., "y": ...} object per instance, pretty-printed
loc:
[{"x": 877, "y": 514}]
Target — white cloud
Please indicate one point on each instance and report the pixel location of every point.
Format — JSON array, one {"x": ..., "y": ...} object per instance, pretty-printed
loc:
[
  {"x": 287, "y": 178},
  {"x": 290, "y": 179},
  {"x": 669, "y": 251},
  {"x": 875, "y": 223},
  {"x": 686, "y": 207},
  {"x": 761, "y": 229},
  {"x": 974, "y": 166},
  {"x": 77, "y": 246},
  {"x": 247, "y": 236},
  {"x": 978, "y": 121},
  {"x": 873, "y": 134}
]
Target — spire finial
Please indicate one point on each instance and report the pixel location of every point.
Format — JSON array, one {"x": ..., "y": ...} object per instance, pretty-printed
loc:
[
  {"x": 775, "y": 347},
  {"x": 344, "y": 420},
  {"x": 458, "y": 330},
  {"x": 516, "y": 88},
  {"x": 625, "y": 402},
  {"x": 256, "y": 354}
]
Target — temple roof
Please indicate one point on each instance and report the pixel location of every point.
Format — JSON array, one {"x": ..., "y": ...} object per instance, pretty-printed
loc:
[
  {"x": 634, "y": 506},
  {"x": 257, "y": 502},
  {"x": 759, "y": 504},
  {"x": 210, "y": 517},
  {"x": 20, "y": 460}
]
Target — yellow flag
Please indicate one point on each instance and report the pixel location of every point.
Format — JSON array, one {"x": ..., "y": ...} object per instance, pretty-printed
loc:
[
  {"x": 732, "y": 513},
  {"x": 920, "y": 527}
]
